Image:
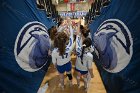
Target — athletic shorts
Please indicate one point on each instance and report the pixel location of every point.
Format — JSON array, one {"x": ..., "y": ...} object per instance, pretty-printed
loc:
[
  {"x": 66, "y": 67},
  {"x": 82, "y": 72}
]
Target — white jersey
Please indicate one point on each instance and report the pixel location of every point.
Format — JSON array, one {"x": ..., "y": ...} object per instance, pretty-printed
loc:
[
  {"x": 87, "y": 56},
  {"x": 61, "y": 60}
]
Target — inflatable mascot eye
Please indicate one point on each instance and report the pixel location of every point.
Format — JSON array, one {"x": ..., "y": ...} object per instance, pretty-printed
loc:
[
  {"x": 31, "y": 46},
  {"x": 113, "y": 43}
]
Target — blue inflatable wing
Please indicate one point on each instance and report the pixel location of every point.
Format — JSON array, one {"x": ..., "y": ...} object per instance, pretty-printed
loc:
[{"x": 24, "y": 44}]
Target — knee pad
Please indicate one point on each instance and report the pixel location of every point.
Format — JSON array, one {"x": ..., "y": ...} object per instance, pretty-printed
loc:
[{"x": 69, "y": 76}]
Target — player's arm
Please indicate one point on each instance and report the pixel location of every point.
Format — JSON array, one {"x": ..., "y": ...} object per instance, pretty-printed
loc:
[
  {"x": 78, "y": 45},
  {"x": 78, "y": 40},
  {"x": 61, "y": 28},
  {"x": 89, "y": 66},
  {"x": 70, "y": 44},
  {"x": 54, "y": 59}
]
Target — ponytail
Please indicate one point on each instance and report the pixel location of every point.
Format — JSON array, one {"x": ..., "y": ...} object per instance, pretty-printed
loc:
[
  {"x": 62, "y": 38},
  {"x": 61, "y": 46},
  {"x": 86, "y": 43},
  {"x": 83, "y": 49}
]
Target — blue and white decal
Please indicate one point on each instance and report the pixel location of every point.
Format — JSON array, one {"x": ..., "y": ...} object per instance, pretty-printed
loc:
[
  {"x": 114, "y": 44},
  {"x": 31, "y": 46}
]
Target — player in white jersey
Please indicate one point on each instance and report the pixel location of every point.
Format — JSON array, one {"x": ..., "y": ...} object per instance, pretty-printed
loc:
[
  {"x": 61, "y": 55},
  {"x": 84, "y": 59}
]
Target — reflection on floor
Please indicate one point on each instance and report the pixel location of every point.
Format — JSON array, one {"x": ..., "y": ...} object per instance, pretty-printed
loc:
[{"x": 96, "y": 85}]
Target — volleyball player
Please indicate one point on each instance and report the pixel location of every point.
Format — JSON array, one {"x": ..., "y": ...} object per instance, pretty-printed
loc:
[
  {"x": 84, "y": 58},
  {"x": 61, "y": 55}
]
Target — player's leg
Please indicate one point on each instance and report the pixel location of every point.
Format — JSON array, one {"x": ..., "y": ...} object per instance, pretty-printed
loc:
[
  {"x": 61, "y": 80},
  {"x": 78, "y": 76},
  {"x": 61, "y": 71},
  {"x": 68, "y": 68},
  {"x": 85, "y": 81},
  {"x": 69, "y": 75},
  {"x": 78, "y": 79}
]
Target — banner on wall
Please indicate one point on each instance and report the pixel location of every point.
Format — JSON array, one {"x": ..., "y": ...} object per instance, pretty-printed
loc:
[
  {"x": 66, "y": 1},
  {"x": 72, "y": 6},
  {"x": 61, "y": 1},
  {"x": 73, "y": 14}
]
